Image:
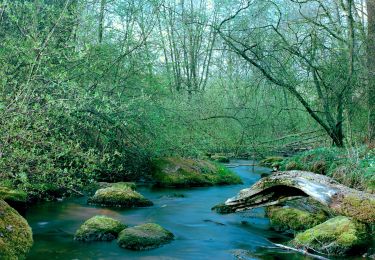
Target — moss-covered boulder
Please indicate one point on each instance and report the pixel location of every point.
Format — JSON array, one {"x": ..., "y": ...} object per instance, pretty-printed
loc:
[
  {"x": 336, "y": 236},
  {"x": 119, "y": 195},
  {"x": 291, "y": 219},
  {"x": 15, "y": 234},
  {"x": 99, "y": 228},
  {"x": 144, "y": 237},
  {"x": 222, "y": 209},
  {"x": 182, "y": 172},
  {"x": 130, "y": 185},
  {"x": 12, "y": 196}
]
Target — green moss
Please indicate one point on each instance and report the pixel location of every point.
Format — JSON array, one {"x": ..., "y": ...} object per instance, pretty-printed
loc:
[
  {"x": 15, "y": 234},
  {"x": 99, "y": 228},
  {"x": 220, "y": 158},
  {"x": 363, "y": 209},
  {"x": 291, "y": 219},
  {"x": 336, "y": 236},
  {"x": 181, "y": 172},
  {"x": 119, "y": 196},
  {"x": 144, "y": 237},
  {"x": 10, "y": 195},
  {"x": 272, "y": 161}
]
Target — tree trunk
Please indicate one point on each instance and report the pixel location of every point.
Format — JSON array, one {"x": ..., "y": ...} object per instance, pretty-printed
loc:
[
  {"x": 289, "y": 185},
  {"x": 371, "y": 68},
  {"x": 101, "y": 20}
]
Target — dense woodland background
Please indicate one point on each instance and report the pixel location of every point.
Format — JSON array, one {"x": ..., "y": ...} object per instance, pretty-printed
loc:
[{"x": 94, "y": 89}]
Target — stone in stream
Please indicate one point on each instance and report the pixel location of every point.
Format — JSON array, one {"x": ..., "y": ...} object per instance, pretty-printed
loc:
[
  {"x": 336, "y": 236},
  {"x": 99, "y": 228},
  {"x": 119, "y": 195},
  {"x": 15, "y": 234},
  {"x": 185, "y": 172},
  {"x": 144, "y": 237}
]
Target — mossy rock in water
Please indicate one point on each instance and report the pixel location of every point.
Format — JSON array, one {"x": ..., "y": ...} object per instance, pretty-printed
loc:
[
  {"x": 119, "y": 195},
  {"x": 15, "y": 234},
  {"x": 131, "y": 185},
  {"x": 291, "y": 219},
  {"x": 336, "y": 236},
  {"x": 222, "y": 209},
  {"x": 12, "y": 196},
  {"x": 99, "y": 228},
  {"x": 272, "y": 161},
  {"x": 144, "y": 237},
  {"x": 182, "y": 172}
]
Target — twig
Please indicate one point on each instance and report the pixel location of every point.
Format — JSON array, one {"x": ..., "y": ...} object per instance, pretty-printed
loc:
[{"x": 301, "y": 251}]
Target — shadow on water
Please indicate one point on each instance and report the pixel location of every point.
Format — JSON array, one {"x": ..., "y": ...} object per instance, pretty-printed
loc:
[{"x": 200, "y": 233}]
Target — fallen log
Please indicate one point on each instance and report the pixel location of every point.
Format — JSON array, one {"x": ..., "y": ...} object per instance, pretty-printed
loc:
[{"x": 288, "y": 185}]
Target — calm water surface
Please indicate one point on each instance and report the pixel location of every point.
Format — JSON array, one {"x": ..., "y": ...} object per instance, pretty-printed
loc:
[{"x": 200, "y": 233}]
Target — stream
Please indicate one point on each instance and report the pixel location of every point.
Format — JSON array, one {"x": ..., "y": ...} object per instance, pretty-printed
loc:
[{"x": 199, "y": 232}]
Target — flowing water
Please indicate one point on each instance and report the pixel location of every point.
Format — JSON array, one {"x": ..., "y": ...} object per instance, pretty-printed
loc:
[{"x": 199, "y": 232}]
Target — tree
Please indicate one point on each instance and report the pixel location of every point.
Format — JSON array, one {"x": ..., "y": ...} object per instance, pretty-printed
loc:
[
  {"x": 299, "y": 54},
  {"x": 371, "y": 68}
]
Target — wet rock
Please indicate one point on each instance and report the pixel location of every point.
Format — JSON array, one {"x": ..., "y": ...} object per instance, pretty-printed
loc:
[
  {"x": 183, "y": 172},
  {"x": 15, "y": 234},
  {"x": 119, "y": 195},
  {"x": 99, "y": 228},
  {"x": 144, "y": 237},
  {"x": 336, "y": 236}
]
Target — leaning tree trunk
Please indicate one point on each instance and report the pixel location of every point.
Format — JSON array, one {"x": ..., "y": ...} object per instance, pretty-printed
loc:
[
  {"x": 371, "y": 68},
  {"x": 288, "y": 185}
]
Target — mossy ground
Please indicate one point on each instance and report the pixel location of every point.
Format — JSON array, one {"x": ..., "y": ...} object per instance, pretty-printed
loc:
[
  {"x": 182, "y": 172},
  {"x": 144, "y": 237},
  {"x": 292, "y": 219},
  {"x": 119, "y": 195},
  {"x": 352, "y": 167},
  {"x": 15, "y": 234},
  {"x": 272, "y": 161},
  {"x": 336, "y": 236},
  {"x": 99, "y": 228},
  {"x": 220, "y": 158}
]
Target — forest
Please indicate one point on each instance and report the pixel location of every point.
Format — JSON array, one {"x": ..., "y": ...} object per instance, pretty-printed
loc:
[{"x": 129, "y": 120}]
